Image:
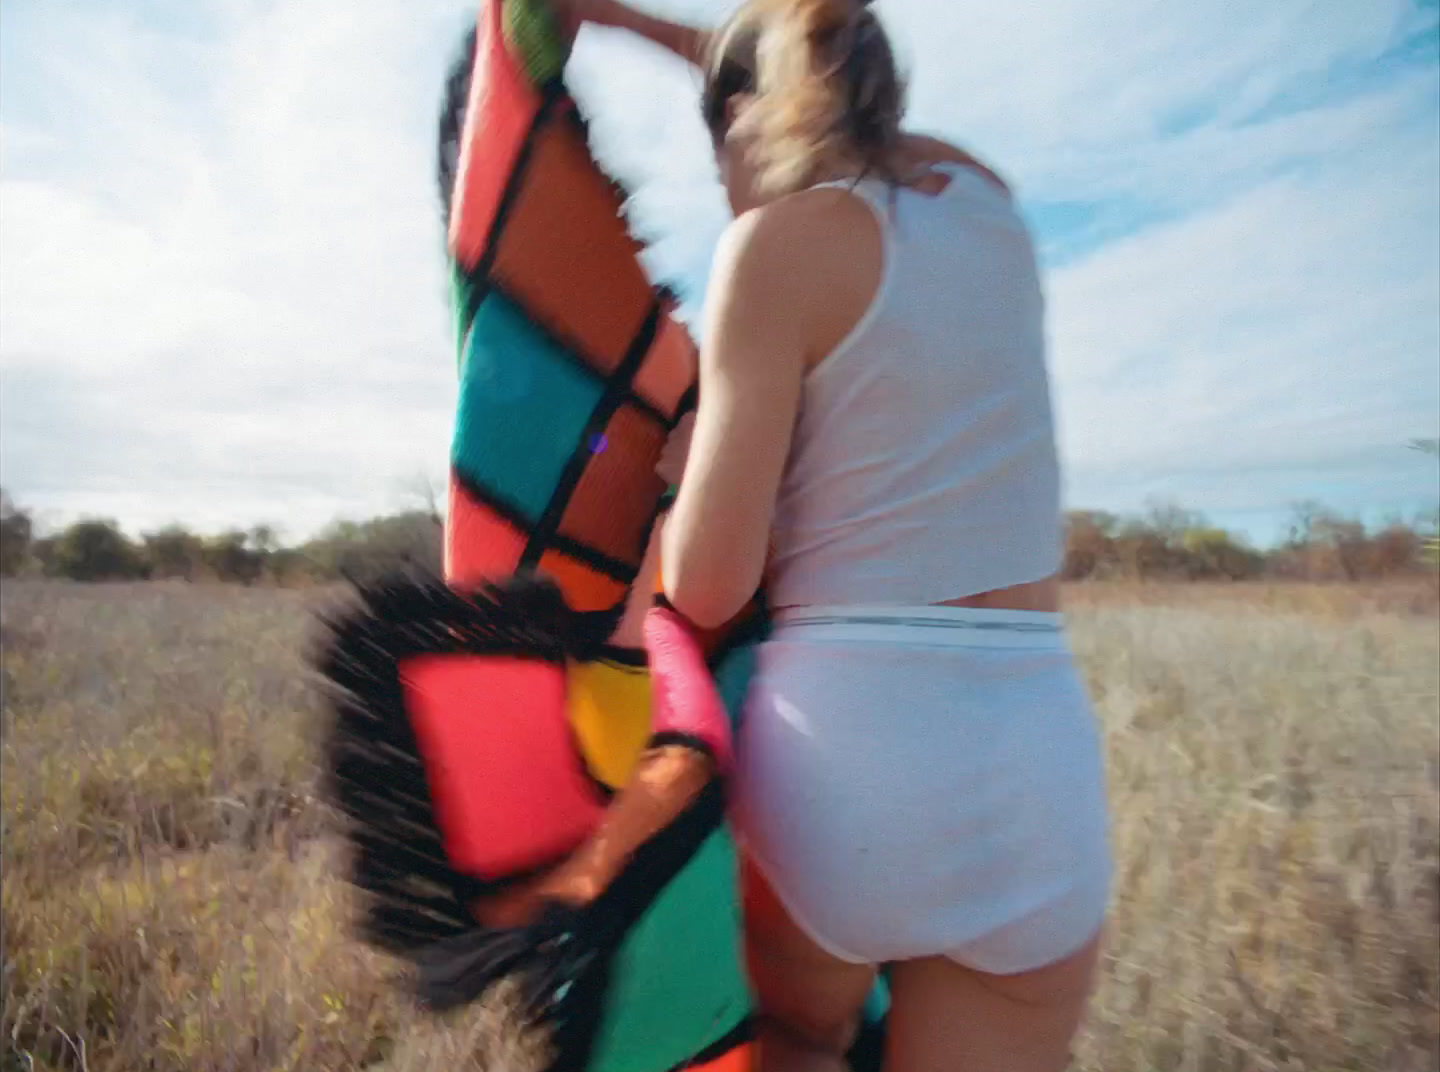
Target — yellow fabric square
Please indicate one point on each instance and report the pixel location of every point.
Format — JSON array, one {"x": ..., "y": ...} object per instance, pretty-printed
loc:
[{"x": 609, "y": 706}]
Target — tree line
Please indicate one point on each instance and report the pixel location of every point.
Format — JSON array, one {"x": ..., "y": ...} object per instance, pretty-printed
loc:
[
  {"x": 1166, "y": 542},
  {"x": 1169, "y": 542},
  {"x": 98, "y": 549}
]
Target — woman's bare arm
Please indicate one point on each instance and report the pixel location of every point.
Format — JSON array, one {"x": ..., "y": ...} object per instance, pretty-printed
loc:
[
  {"x": 686, "y": 42},
  {"x": 922, "y": 151},
  {"x": 752, "y": 360}
]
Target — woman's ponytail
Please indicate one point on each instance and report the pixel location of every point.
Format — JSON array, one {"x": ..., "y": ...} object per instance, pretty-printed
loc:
[{"x": 824, "y": 86}]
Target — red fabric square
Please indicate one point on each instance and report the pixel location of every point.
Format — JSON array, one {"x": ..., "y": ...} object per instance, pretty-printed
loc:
[
  {"x": 500, "y": 759},
  {"x": 669, "y": 368},
  {"x": 501, "y": 108},
  {"x": 480, "y": 545}
]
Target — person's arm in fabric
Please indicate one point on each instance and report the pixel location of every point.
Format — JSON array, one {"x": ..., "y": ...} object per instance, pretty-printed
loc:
[
  {"x": 684, "y": 41},
  {"x": 752, "y": 361}
]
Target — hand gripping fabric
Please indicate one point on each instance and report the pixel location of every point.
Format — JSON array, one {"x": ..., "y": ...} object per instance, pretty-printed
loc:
[{"x": 522, "y": 798}]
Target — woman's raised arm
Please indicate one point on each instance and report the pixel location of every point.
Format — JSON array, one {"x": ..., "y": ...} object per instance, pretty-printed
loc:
[{"x": 687, "y": 42}]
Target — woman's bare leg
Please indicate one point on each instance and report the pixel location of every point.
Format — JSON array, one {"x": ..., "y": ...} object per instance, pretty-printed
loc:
[
  {"x": 945, "y": 1017},
  {"x": 810, "y": 1002}
]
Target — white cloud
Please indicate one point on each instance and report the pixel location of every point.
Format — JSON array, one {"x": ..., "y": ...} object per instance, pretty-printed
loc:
[
  {"x": 1295, "y": 328},
  {"x": 1040, "y": 83},
  {"x": 242, "y": 298},
  {"x": 221, "y": 296}
]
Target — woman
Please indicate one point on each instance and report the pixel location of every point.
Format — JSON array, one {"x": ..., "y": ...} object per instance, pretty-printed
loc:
[{"x": 921, "y": 781}]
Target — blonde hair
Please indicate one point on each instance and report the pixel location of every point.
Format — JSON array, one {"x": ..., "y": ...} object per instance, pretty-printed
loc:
[{"x": 827, "y": 96}]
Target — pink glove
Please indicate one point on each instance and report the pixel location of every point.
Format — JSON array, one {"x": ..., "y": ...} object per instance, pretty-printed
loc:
[{"x": 687, "y": 708}]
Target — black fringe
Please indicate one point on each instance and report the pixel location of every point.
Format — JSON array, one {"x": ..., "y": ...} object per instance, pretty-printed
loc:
[
  {"x": 411, "y": 895},
  {"x": 451, "y": 122},
  {"x": 867, "y": 1052}
]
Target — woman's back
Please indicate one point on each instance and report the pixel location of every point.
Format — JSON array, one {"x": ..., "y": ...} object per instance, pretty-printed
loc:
[{"x": 923, "y": 462}]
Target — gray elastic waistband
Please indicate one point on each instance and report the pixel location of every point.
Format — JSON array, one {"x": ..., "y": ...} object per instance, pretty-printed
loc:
[{"x": 961, "y": 626}]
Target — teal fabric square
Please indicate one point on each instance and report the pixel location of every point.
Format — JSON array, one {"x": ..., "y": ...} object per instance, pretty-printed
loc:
[
  {"x": 732, "y": 680},
  {"x": 679, "y": 982},
  {"x": 877, "y": 1005},
  {"x": 523, "y": 408}
]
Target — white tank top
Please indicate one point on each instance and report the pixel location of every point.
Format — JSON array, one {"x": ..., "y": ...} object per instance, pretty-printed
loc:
[
  {"x": 923, "y": 466},
  {"x": 923, "y": 463}
]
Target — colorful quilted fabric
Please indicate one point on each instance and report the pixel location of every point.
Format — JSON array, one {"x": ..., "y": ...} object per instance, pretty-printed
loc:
[
  {"x": 572, "y": 369},
  {"x": 482, "y": 733},
  {"x": 525, "y": 799}
]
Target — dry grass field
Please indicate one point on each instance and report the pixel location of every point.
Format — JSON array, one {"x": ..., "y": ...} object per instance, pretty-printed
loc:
[{"x": 170, "y": 900}]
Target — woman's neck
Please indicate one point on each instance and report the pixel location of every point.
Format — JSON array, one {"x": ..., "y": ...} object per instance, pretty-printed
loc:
[{"x": 912, "y": 164}]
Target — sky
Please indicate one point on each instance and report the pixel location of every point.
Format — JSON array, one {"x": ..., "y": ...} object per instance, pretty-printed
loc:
[{"x": 222, "y": 294}]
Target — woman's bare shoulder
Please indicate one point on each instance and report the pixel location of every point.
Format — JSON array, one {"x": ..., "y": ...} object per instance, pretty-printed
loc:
[
  {"x": 790, "y": 238},
  {"x": 804, "y": 267}
]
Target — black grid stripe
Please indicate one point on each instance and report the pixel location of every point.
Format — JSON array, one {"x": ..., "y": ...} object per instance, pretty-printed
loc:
[
  {"x": 611, "y": 567},
  {"x": 481, "y": 281},
  {"x": 688, "y": 401},
  {"x": 542, "y": 536},
  {"x": 574, "y": 353},
  {"x": 616, "y": 393},
  {"x": 552, "y": 95},
  {"x": 631, "y": 658},
  {"x": 745, "y": 1030},
  {"x": 486, "y": 497}
]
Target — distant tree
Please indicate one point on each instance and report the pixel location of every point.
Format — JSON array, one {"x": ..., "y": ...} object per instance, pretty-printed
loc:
[
  {"x": 364, "y": 550},
  {"x": 1213, "y": 553},
  {"x": 1153, "y": 545},
  {"x": 96, "y": 550},
  {"x": 44, "y": 552},
  {"x": 1345, "y": 540},
  {"x": 1394, "y": 550},
  {"x": 1303, "y": 515},
  {"x": 174, "y": 552},
  {"x": 427, "y": 495},
  {"x": 17, "y": 530},
  {"x": 263, "y": 540},
  {"x": 1431, "y": 550},
  {"x": 1320, "y": 545},
  {"x": 291, "y": 566},
  {"x": 1139, "y": 553},
  {"x": 229, "y": 557},
  {"x": 1169, "y": 522},
  {"x": 1089, "y": 543}
]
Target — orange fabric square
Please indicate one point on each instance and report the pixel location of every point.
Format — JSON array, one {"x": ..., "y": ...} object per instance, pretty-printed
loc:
[
  {"x": 585, "y": 588},
  {"x": 501, "y": 108},
  {"x": 480, "y": 545},
  {"x": 743, "y": 1058},
  {"x": 613, "y": 505},
  {"x": 668, "y": 369},
  {"x": 564, "y": 252}
]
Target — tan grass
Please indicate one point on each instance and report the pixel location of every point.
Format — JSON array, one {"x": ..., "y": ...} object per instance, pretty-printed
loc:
[{"x": 170, "y": 898}]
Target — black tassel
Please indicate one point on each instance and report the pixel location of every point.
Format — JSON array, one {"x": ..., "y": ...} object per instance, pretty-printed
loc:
[
  {"x": 374, "y": 773},
  {"x": 458, "y": 970}
]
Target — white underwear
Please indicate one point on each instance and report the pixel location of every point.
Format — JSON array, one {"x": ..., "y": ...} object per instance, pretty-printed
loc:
[{"x": 923, "y": 781}]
